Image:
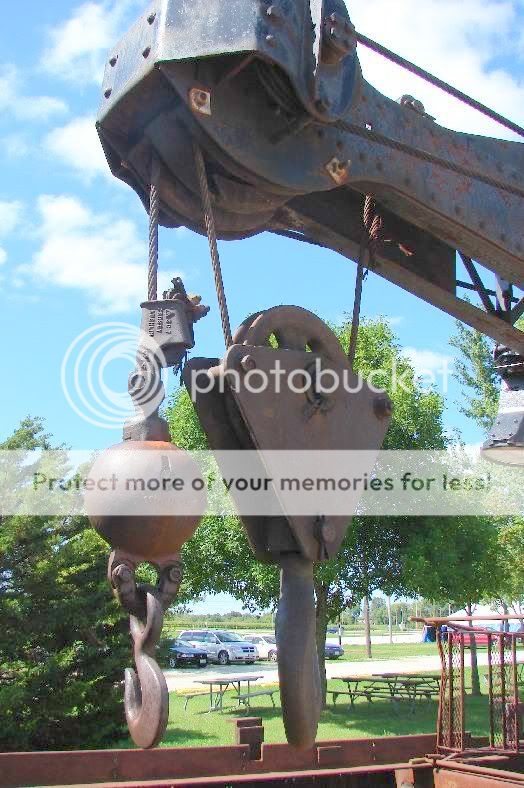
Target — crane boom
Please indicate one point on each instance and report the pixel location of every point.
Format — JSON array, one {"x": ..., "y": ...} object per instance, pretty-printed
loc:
[{"x": 294, "y": 138}]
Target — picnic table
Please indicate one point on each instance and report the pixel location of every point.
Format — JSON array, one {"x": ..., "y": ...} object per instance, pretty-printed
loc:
[
  {"x": 392, "y": 686},
  {"x": 424, "y": 681},
  {"x": 222, "y": 683},
  {"x": 508, "y": 665}
]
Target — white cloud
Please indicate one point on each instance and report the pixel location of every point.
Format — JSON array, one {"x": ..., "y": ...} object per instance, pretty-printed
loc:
[
  {"x": 77, "y": 144},
  {"x": 10, "y": 215},
  {"x": 90, "y": 252},
  {"x": 3, "y": 256},
  {"x": 23, "y": 107},
  {"x": 427, "y": 361},
  {"x": 432, "y": 369},
  {"x": 458, "y": 42},
  {"x": 78, "y": 47}
]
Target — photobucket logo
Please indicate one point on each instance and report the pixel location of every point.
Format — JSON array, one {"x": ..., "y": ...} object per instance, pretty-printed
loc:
[
  {"x": 87, "y": 377},
  {"x": 316, "y": 380}
]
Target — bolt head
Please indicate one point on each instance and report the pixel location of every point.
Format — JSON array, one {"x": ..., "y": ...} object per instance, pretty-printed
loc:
[
  {"x": 200, "y": 100},
  {"x": 382, "y": 407},
  {"x": 248, "y": 363}
]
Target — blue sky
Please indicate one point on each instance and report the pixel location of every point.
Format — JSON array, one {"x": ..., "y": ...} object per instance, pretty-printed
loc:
[{"x": 73, "y": 239}]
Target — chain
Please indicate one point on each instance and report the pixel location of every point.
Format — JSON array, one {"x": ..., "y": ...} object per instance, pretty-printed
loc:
[
  {"x": 438, "y": 83},
  {"x": 212, "y": 239},
  {"x": 154, "y": 208}
]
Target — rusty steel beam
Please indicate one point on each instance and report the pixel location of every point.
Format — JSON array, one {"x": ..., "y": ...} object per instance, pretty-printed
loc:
[
  {"x": 429, "y": 273},
  {"x": 171, "y": 763},
  {"x": 420, "y": 776},
  {"x": 464, "y": 775}
]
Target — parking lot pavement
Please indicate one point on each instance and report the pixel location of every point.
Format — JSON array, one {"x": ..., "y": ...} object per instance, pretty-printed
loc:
[{"x": 185, "y": 678}]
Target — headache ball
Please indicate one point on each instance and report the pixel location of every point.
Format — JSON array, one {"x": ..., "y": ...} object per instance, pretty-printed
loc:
[{"x": 145, "y": 497}]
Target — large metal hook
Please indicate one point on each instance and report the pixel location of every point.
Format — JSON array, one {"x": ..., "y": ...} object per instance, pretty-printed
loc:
[
  {"x": 146, "y": 697},
  {"x": 298, "y": 667},
  {"x": 146, "y": 694}
]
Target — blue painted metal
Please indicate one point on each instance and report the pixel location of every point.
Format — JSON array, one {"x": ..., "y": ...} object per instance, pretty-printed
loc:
[{"x": 287, "y": 125}]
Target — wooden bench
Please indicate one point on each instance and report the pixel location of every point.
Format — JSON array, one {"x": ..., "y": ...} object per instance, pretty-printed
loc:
[
  {"x": 191, "y": 694},
  {"x": 246, "y": 697}
]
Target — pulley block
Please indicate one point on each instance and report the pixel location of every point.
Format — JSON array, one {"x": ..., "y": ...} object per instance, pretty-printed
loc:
[{"x": 288, "y": 351}]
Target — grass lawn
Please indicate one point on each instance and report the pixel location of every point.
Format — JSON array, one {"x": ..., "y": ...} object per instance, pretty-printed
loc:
[{"x": 195, "y": 727}]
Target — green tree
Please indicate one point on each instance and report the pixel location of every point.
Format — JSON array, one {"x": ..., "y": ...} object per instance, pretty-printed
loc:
[
  {"x": 475, "y": 371},
  {"x": 457, "y": 559},
  {"x": 511, "y": 541},
  {"x": 63, "y": 641},
  {"x": 218, "y": 557}
]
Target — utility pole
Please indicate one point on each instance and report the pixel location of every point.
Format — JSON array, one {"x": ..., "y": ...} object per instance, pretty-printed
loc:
[{"x": 390, "y": 619}]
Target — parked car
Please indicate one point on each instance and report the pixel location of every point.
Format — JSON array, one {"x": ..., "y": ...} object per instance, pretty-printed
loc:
[
  {"x": 222, "y": 647},
  {"x": 176, "y": 653},
  {"x": 481, "y": 638},
  {"x": 333, "y": 651},
  {"x": 266, "y": 646}
]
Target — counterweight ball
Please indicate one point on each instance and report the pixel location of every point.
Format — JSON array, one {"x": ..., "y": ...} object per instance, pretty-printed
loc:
[{"x": 145, "y": 497}]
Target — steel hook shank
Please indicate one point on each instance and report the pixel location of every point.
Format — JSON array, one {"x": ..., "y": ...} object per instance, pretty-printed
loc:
[
  {"x": 146, "y": 697},
  {"x": 298, "y": 668}
]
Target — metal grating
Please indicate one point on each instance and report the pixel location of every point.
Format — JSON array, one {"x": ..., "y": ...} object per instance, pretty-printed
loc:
[
  {"x": 505, "y": 680},
  {"x": 450, "y": 734},
  {"x": 506, "y": 708}
]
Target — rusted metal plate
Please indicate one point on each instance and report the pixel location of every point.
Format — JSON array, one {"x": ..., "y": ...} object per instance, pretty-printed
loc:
[
  {"x": 125, "y": 766},
  {"x": 461, "y": 775},
  {"x": 353, "y": 777}
]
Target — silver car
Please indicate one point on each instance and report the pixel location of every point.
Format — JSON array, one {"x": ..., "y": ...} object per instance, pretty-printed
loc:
[
  {"x": 222, "y": 647},
  {"x": 266, "y": 646}
]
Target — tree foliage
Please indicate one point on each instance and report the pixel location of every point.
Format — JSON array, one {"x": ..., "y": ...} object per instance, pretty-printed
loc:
[
  {"x": 511, "y": 541},
  {"x": 63, "y": 641},
  {"x": 475, "y": 371}
]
